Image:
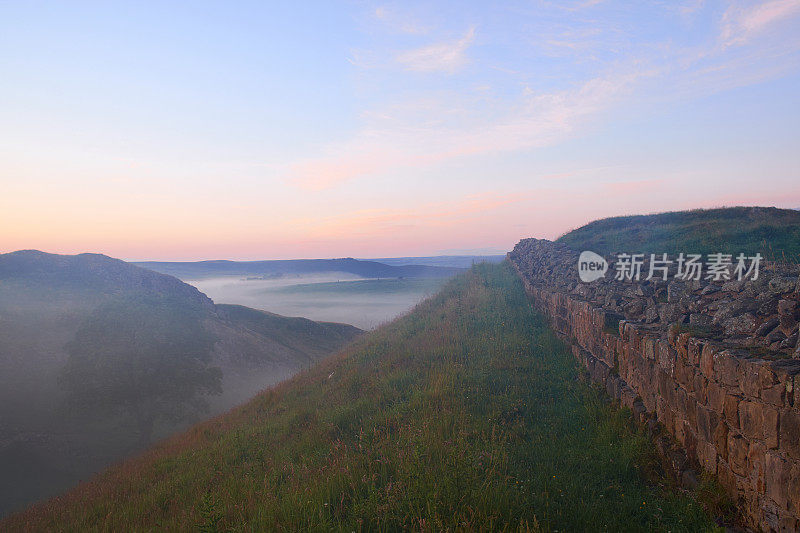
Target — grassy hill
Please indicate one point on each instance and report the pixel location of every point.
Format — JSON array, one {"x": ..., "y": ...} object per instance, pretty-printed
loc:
[
  {"x": 307, "y": 337},
  {"x": 98, "y": 357},
  {"x": 773, "y": 232},
  {"x": 465, "y": 414}
]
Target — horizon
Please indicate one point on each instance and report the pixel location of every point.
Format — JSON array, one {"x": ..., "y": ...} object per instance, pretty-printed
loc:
[
  {"x": 437, "y": 254},
  {"x": 376, "y": 259},
  {"x": 384, "y": 129}
]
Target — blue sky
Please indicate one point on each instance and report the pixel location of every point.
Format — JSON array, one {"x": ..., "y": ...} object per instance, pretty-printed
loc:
[{"x": 243, "y": 130}]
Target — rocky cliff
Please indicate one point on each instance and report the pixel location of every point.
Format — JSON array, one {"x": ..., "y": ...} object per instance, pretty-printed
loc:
[{"x": 717, "y": 363}]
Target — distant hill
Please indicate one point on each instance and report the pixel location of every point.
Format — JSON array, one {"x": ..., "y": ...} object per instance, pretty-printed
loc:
[
  {"x": 773, "y": 232},
  {"x": 365, "y": 269},
  {"x": 85, "y": 331},
  {"x": 457, "y": 261}
]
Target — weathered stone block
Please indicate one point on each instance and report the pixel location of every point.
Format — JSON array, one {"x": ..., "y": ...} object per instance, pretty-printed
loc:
[
  {"x": 788, "y": 325},
  {"x": 694, "y": 350},
  {"x": 707, "y": 456},
  {"x": 771, "y": 426},
  {"x": 726, "y": 477},
  {"x": 682, "y": 372},
  {"x": 774, "y": 395},
  {"x": 741, "y": 325},
  {"x": 691, "y": 411},
  {"x": 726, "y": 368},
  {"x": 788, "y": 524},
  {"x": 790, "y": 432},
  {"x": 777, "y": 474},
  {"x": 666, "y": 387},
  {"x": 707, "y": 361},
  {"x": 699, "y": 388},
  {"x": 679, "y": 430},
  {"x": 755, "y": 466},
  {"x": 794, "y": 487},
  {"x": 750, "y": 379},
  {"x": 649, "y": 346},
  {"x": 682, "y": 402},
  {"x": 715, "y": 396},
  {"x": 751, "y": 420},
  {"x": 786, "y": 307},
  {"x": 721, "y": 440},
  {"x": 665, "y": 414},
  {"x": 730, "y": 410},
  {"x": 707, "y": 421},
  {"x": 690, "y": 441},
  {"x": 682, "y": 345}
]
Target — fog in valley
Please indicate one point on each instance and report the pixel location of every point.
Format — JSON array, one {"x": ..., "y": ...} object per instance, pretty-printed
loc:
[
  {"x": 329, "y": 297},
  {"x": 99, "y": 359}
]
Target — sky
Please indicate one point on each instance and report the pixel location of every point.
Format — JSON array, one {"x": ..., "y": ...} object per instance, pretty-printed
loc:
[{"x": 265, "y": 130}]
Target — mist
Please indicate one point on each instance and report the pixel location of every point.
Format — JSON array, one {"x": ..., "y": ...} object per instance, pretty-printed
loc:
[
  {"x": 330, "y": 297},
  {"x": 99, "y": 359}
]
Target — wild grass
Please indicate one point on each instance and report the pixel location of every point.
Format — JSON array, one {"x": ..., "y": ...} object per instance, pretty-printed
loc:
[
  {"x": 466, "y": 414},
  {"x": 775, "y": 233}
]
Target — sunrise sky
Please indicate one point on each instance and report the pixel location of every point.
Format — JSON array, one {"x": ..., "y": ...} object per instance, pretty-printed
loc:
[{"x": 258, "y": 130}]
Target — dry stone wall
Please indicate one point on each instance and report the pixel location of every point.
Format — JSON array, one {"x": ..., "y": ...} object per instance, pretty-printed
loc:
[{"x": 716, "y": 363}]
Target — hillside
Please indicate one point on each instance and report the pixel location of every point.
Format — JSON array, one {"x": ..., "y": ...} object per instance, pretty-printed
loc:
[
  {"x": 365, "y": 269},
  {"x": 464, "y": 414},
  {"x": 82, "y": 332},
  {"x": 773, "y": 232}
]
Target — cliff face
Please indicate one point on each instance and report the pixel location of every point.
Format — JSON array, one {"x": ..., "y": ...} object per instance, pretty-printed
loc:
[{"x": 715, "y": 362}]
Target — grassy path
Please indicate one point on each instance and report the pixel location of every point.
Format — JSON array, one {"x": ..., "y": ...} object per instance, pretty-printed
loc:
[{"x": 464, "y": 415}]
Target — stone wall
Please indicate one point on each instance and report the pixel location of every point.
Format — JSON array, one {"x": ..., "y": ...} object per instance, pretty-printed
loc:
[{"x": 716, "y": 363}]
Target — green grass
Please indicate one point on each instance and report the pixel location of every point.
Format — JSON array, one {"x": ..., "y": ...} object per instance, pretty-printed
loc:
[
  {"x": 466, "y": 414},
  {"x": 775, "y": 233}
]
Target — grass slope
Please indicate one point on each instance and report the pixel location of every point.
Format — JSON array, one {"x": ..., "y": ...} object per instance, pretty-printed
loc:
[
  {"x": 464, "y": 414},
  {"x": 304, "y": 336},
  {"x": 775, "y": 233}
]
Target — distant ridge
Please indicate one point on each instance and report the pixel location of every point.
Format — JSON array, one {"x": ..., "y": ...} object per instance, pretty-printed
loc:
[
  {"x": 457, "y": 261},
  {"x": 92, "y": 272},
  {"x": 366, "y": 269}
]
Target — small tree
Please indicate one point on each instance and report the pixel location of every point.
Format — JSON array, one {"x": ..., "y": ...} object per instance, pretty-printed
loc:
[{"x": 143, "y": 357}]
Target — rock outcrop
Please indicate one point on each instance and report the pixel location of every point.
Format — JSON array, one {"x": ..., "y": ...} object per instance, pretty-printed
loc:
[{"x": 715, "y": 362}]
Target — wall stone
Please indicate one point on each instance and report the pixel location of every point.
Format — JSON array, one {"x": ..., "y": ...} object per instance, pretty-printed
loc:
[{"x": 714, "y": 362}]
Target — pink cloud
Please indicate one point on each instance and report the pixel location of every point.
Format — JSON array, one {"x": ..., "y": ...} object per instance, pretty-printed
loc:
[
  {"x": 438, "y": 131},
  {"x": 740, "y": 24},
  {"x": 441, "y": 57}
]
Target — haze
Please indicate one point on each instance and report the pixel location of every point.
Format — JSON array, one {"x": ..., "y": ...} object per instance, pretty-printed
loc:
[{"x": 334, "y": 297}]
